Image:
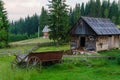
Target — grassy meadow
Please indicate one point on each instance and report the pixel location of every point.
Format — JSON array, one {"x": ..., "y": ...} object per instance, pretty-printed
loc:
[
  {"x": 114, "y": 52},
  {"x": 98, "y": 69},
  {"x": 53, "y": 48},
  {"x": 70, "y": 69},
  {"x": 34, "y": 41}
]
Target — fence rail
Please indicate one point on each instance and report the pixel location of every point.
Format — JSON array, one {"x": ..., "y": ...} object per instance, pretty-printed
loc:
[{"x": 77, "y": 56}]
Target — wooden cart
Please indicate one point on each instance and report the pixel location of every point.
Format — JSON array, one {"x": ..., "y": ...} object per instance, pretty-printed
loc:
[{"x": 37, "y": 58}]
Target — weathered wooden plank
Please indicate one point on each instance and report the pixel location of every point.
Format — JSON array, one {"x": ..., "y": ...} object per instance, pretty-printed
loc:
[{"x": 76, "y": 56}]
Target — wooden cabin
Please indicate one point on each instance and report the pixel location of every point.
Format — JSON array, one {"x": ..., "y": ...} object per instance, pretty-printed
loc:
[
  {"x": 46, "y": 32},
  {"x": 94, "y": 34}
]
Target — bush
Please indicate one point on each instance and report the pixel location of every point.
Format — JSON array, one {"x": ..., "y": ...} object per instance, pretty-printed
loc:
[
  {"x": 3, "y": 44},
  {"x": 19, "y": 37},
  {"x": 3, "y": 38},
  {"x": 118, "y": 59}
]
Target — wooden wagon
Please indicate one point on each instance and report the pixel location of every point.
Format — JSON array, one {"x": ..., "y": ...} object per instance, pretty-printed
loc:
[{"x": 37, "y": 58}]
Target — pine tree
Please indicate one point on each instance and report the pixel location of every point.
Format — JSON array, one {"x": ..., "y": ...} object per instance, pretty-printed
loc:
[
  {"x": 108, "y": 5},
  {"x": 106, "y": 13},
  {"x": 119, "y": 4},
  {"x": 92, "y": 8},
  {"x": 98, "y": 8},
  {"x": 28, "y": 26},
  {"x": 118, "y": 20},
  {"x": 87, "y": 9},
  {"x": 58, "y": 20},
  {"x": 118, "y": 15},
  {"x": 71, "y": 17},
  {"x": 104, "y": 7},
  {"x": 43, "y": 20},
  {"x": 76, "y": 12},
  {"x": 3, "y": 26},
  {"x": 113, "y": 14},
  {"x": 82, "y": 10}
]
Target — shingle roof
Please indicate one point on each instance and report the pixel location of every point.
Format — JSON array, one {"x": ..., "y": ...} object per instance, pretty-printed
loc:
[
  {"x": 102, "y": 26},
  {"x": 46, "y": 29}
]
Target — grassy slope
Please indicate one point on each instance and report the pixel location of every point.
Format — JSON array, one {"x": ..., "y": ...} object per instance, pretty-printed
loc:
[
  {"x": 53, "y": 48},
  {"x": 16, "y": 50},
  {"x": 100, "y": 69},
  {"x": 23, "y": 46},
  {"x": 31, "y": 41}
]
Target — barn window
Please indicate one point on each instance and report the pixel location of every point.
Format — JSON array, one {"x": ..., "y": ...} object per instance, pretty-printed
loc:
[{"x": 92, "y": 38}]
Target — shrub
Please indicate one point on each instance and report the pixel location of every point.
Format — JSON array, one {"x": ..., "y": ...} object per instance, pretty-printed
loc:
[
  {"x": 3, "y": 38},
  {"x": 118, "y": 59},
  {"x": 17, "y": 37},
  {"x": 3, "y": 44}
]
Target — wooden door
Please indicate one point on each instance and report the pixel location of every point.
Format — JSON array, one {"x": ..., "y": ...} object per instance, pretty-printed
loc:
[
  {"x": 82, "y": 42},
  {"x": 110, "y": 42}
]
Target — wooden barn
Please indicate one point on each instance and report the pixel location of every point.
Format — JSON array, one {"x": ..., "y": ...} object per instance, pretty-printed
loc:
[
  {"x": 94, "y": 34},
  {"x": 46, "y": 32}
]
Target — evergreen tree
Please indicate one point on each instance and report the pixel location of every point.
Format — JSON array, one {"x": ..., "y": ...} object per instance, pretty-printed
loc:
[
  {"x": 106, "y": 13},
  {"x": 33, "y": 25},
  {"x": 82, "y": 10},
  {"x": 92, "y": 8},
  {"x": 87, "y": 9},
  {"x": 3, "y": 26},
  {"x": 119, "y": 4},
  {"x": 76, "y": 13},
  {"x": 104, "y": 7},
  {"x": 58, "y": 20},
  {"x": 28, "y": 26},
  {"x": 108, "y": 4},
  {"x": 113, "y": 14},
  {"x": 98, "y": 8},
  {"x": 71, "y": 17},
  {"x": 118, "y": 20},
  {"x": 43, "y": 20}
]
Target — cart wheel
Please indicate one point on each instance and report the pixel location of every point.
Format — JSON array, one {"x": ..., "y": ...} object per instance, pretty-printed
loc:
[{"x": 34, "y": 62}]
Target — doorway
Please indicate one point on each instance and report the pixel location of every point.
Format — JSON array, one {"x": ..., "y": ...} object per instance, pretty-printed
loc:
[
  {"x": 110, "y": 42},
  {"x": 82, "y": 41}
]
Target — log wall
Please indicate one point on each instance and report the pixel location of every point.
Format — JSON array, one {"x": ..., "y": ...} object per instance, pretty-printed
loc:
[{"x": 107, "y": 42}]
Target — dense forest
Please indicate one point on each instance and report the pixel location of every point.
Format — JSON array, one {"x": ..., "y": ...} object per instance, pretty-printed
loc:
[
  {"x": 24, "y": 28},
  {"x": 28, "y": 27}
]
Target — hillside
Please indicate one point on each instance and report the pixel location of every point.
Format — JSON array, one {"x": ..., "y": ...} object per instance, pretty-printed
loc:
[
  {"x": 24, "y": 46},
  {"x": 30, "y": 42}
]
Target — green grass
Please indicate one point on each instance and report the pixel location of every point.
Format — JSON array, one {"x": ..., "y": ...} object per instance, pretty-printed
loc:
[
  {"x": 100, "y": 70},
  {"x": 18, "y": 49},
  {"x": 31, "y": 41},
  {"x": 53, "y": 48},
  {"x": 77, "y": 69},
  {"x": 118, "y": 26},
  {"x": 114, "y": 52}
]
